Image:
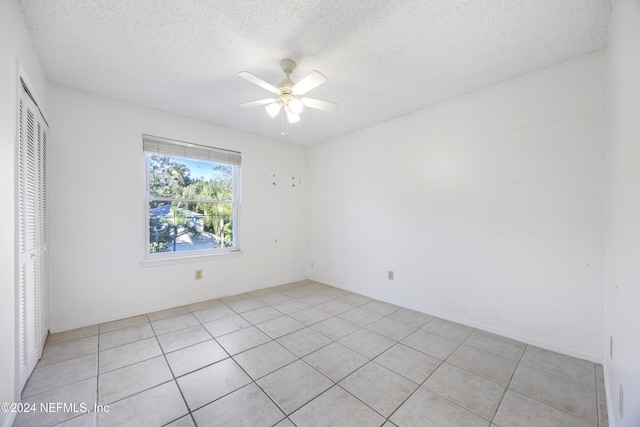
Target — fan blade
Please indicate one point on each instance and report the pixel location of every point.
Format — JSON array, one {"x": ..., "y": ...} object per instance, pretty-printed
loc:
[
  {"x": 257, "y": 80},
  {"x": 259, "y": 102},
  {"x": 318, "y": 104},
  {"x": 310, "y": 81}
]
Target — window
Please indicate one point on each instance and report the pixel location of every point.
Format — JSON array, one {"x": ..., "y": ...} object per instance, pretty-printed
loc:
[{"x": 192, "y": 199}]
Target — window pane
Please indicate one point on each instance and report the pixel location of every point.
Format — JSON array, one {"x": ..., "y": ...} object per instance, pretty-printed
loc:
[
  {"x": 173, "y": 177},
  {"x": 182, "y": 227}
]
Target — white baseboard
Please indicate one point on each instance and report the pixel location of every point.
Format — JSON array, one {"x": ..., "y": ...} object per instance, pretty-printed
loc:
[
  {"x": 522, "y": 338},
  {"x": 151, "y": 309}
]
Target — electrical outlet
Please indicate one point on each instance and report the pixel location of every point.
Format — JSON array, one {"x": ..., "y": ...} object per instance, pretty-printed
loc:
[
  {"x": 311, "y": 264},
  {"x": 198, "y": 274},
  {"x": 390, "y": 274}
]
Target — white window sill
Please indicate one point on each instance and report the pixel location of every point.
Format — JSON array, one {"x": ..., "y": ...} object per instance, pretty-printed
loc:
[{"x": 191, "y": 258}]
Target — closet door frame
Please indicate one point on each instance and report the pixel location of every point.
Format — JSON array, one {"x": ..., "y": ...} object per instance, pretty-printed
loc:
[{"x": 31, "y": 272}]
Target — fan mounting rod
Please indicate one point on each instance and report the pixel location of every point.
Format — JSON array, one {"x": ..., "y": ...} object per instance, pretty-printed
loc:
[
  {"x": 288, "y": 65},
  {"x": 285, "y": 87}
]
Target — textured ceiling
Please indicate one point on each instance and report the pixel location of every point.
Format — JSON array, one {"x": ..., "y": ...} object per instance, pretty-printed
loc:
[{"x": 382, "y": 58}]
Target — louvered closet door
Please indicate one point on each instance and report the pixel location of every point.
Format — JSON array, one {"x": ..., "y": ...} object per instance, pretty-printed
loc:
[{"x": 32, "y": 223}]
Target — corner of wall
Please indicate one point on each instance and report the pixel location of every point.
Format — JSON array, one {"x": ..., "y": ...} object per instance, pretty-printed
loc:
[
  {"x": 16, "y": 51},
  {"x": 622, "y": 210}
]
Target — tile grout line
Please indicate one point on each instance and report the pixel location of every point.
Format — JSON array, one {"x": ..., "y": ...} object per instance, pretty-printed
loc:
[
  {"x": 572, "y": 415},
  {"x": 551, "y": 404},
  {"x": 369, "y": 360},
  {"x": 387, "y": 418},
  {"x": 428, "y": 376},
  {"x": 519, "y": 363},
  {"x": 300, "y": 358},
  {"x": 135, "y": 363},
  {"x": 155, "y": 335},
  {"x": 314, "y": 305},
  {"x": 175, "y": 379},
  {"x": 75, "y": 382},
  {"x": 507, "y": 388},
  {"x": 253, "y": 381}
]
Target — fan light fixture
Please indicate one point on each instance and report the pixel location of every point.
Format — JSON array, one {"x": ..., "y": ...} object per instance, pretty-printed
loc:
[
  {"x": 295, "y": 106},
  {"x": 292, "y": 117},
  {"x": 289, "y": 93},
  {"x": 273, "y": 109}
]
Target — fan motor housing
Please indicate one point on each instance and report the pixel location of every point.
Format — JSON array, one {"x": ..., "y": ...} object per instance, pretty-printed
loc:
[{"x": 286, "y": 87}]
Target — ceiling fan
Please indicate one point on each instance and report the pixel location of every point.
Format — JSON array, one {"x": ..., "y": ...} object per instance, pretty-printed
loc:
[{"x": 289, "y": 93}]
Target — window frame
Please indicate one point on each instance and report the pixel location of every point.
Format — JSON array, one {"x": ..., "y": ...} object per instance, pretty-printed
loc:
[{"x": 217, "y": 157}]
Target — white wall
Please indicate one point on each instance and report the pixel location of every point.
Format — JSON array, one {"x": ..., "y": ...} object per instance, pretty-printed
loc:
[
  {"x": 623, "y": 213},
  {"x": 96, "y": 208},
  {"x": 489, "y": 208},
  {"x": 15, "y": 48}
]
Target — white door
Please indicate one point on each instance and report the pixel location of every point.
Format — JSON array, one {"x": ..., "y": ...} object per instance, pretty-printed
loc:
[{"x": 32, "y": 230}]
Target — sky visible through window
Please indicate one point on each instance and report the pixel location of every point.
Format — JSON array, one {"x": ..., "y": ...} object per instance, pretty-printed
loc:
[{"x": 202, "y": 170}]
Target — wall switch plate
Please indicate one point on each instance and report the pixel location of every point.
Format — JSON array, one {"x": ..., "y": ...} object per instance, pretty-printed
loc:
[{"x": 390, "y": 274}]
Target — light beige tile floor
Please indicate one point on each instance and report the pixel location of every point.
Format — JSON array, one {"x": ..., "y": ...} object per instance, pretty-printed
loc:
[{"x": 306, "y": 354}]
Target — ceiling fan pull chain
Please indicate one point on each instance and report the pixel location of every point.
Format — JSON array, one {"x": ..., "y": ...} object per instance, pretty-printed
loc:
[{"x": 285, "y": 126}]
